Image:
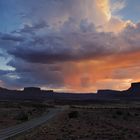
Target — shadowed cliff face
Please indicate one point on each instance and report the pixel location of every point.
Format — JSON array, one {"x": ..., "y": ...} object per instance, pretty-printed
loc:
[{"x": 135, "y": 88}]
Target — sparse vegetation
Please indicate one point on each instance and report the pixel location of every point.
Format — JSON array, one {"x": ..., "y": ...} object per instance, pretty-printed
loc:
[
  {"x": 73, "y": 114},
  {"x": 22, "y": 116},
  {"x": 119, "y": 112},
  {"x": 12, "y": 113},
  {"x": 92, "y": 122}
]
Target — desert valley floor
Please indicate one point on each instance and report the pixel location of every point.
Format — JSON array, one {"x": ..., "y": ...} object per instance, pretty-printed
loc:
[{"x": 93, "y": 121}]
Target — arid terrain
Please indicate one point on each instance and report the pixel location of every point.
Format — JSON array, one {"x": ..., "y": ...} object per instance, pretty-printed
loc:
[
  {"x": 97, "y": 121},
  {"x": 12, "y": 113}
]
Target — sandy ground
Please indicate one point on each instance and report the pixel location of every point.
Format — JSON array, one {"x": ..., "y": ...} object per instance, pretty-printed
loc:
[{"x": 94, "y": 122}]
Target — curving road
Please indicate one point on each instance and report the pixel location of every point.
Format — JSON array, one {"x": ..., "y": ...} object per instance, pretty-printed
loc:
[{"x": 14, "y": 130}]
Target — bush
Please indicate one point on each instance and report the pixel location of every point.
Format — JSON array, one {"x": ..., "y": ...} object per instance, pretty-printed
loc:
[
  {"x": 136, "y": 114},
  {"x": 73, "y": 114},
  {"x": 118, "y": 112},
  {"x": 22, "y": 116},
  {"x": 114, "y": 116}
]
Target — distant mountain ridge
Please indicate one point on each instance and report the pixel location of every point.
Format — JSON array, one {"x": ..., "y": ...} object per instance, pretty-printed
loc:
[{"x": 35, "y": 93}]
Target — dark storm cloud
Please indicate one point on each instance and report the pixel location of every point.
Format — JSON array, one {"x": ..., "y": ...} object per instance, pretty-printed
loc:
[
  {"x": 10, "y": 37},
  {"x": 73, "y": 42},
  {"x": 53, "y": 53},
  {"x": 30, "y": 29},
  {"x": 3, "y": 72},
  {"x": 57, "y": 34},
  {"x": 28, "y": 74}
]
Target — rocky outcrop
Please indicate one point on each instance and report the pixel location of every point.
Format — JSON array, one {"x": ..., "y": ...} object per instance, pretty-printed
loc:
[
  {"x": 32, "y": 90},
  {"x": 134, "y": 89},
  {"x": 35, "y": 93}
]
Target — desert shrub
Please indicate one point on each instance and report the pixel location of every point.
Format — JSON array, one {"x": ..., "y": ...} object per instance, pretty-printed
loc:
[
  {"x": 34, "y": 109},
  {"x": 39, "y": 105},
  {"x": 73, "y": 114},
  {"x": 136, "y": 114},
  {"x": 5, "y": 114},
  {"x": 70, "y": 125},
  {"x": 22, "y": 116},
  {"x": 62, "y": 130},
  {"x": 136, "y": 133},
  {"x": 30, "y": 112},
  {"x": 72, "y": 106},
  {"x": 130, "y": 136},
  {"x": 128, "y": 114},
  {"x": 125, "y": 117},
  {"x": 91, "y": 123},
  {"x": 50, "y": 106},
  {"x": 114, "y": 116},
  {"x": 138, "y": 136},
  {"x": 118, "y": 112}
]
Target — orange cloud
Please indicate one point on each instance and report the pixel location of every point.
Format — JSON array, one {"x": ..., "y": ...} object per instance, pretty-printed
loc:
[{"x": 114, "y": 72}]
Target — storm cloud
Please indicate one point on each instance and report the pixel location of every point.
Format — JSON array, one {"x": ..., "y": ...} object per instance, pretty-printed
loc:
[{"x": 70, "y": 45}]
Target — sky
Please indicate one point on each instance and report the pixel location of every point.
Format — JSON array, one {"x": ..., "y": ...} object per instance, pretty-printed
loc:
[{"x": 69, "y": 45}]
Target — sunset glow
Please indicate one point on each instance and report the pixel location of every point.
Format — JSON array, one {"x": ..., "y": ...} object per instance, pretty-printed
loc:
[{"x": 69, "y": 45}]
